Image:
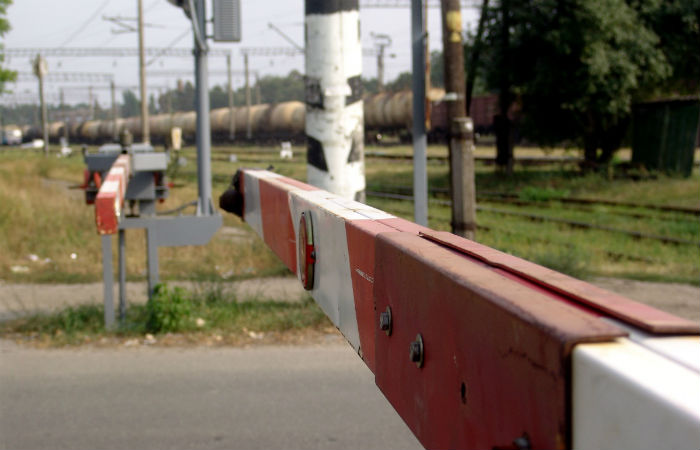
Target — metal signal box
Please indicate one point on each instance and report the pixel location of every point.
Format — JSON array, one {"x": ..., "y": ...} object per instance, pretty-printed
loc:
[{"x": 227, "y": 20}]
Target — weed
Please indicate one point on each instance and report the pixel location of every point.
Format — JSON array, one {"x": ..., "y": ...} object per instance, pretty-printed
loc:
[
  {"x": 197, "y": 315},
  {"x": 168, "y": 310}
]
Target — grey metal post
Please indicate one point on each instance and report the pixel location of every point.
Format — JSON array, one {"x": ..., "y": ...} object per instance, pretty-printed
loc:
[
  {"x": 152, "y": 255},
  {"x": 145, "y": 127},
  {"x": 122, "y": 275},
  {"x": 231, "y": 114},
  {"x": 65, "y": 116},
  {"x": 204, "y": 207},
  {"x": 248, "y": 125},
  {"x": 420, "y": 142},
  {"x": 108, "y": 280}
]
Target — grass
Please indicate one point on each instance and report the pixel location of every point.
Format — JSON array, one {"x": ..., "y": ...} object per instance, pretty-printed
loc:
[
  {"x": 174, "y": 313},
  {"x": 43, "y": 222},
  {"x": 40, "y": 216}
]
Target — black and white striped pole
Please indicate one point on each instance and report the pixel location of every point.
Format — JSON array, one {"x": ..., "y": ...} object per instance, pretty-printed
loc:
[{"x": 334, "y": 113}]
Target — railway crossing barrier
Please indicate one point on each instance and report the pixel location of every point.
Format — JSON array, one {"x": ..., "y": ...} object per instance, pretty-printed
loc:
[
  {"x": 132, "y": 177},
  {"x": 475, "y": 348}
]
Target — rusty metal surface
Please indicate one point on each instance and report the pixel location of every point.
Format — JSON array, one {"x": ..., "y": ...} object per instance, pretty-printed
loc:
[
  {"x": 607, "y": 303},
  {"x": 277, "y": 222},
  {"x": 496, "y": 352}
]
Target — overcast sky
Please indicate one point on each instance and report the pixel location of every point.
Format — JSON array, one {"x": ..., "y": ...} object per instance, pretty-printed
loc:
[{"x": 80, "y": 23}]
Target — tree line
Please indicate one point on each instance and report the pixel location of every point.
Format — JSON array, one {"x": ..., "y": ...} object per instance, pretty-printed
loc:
[{"x": 573, "y": 68}]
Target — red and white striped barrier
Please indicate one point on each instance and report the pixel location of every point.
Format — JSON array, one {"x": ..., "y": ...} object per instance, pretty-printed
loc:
[
  {"x": 110, "y": 197},
  {"x": 475, "y": 348}
]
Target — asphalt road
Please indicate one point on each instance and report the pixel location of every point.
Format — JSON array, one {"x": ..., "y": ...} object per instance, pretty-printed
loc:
[{"x": 256, "y": 398}]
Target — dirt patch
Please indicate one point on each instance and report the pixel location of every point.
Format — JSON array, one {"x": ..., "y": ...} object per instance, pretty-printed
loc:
[
  {"x": 245, "y": 339},
  {"x": 680, "y": 299}
]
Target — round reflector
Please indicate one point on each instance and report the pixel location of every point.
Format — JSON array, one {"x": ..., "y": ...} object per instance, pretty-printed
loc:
[{"x": 306, "y": 250}]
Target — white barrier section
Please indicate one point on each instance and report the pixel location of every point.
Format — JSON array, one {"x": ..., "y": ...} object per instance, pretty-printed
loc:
[{"x": 632, "y": 395}]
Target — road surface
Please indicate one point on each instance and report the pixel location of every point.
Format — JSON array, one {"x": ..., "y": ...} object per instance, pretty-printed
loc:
[{"x": 160, "y": 398}]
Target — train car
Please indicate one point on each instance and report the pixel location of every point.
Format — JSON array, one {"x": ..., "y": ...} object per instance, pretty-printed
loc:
[{"x": 386, "y": 113}]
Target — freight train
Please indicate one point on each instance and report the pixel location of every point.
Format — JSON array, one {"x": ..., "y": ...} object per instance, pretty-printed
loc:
[{"x": 386, "y": 114}]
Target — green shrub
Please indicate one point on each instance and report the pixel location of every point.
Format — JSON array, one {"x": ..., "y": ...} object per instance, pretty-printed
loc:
[{"x": 168, "y": 310}]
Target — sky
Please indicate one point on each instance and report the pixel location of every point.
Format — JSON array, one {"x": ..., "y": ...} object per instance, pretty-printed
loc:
[{"x": 80, "y": 23}]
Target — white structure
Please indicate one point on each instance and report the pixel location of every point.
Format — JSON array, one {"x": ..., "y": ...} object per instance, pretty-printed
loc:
[{"x": 334, "y": 115}]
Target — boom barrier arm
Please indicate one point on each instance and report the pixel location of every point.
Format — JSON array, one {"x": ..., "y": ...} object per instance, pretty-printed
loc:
[
  {"x": 110, "y": 197},
  {"x": 475, "y": 348}
]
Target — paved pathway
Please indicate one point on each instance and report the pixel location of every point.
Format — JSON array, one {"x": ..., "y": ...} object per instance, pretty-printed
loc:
[{"x": 18, "y": 299}]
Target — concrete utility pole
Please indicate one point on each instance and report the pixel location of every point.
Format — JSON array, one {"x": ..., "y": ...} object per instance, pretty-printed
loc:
[
  {"x": 334, "y": 114},
  {"x": 64, "y": 113},
  {"x": 145, "y": 128},
  {"x": 461, "y": 145},
  {"x": 382, "y": 42},
  {"x": 40, "y": 70},
  {"x": 231, "y": 115},
  {"x": 248, "y": 125},
  {"x": 91, "y": 104}
]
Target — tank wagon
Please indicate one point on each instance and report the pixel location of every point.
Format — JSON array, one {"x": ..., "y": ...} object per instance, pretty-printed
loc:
[{"x": 386, "y": 113}]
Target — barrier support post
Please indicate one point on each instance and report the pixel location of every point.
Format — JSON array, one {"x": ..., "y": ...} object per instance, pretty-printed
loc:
[{"x": 108, "y": 277}]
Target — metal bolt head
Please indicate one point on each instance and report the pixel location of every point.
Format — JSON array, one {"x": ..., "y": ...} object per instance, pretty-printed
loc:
[
  {"x": 416, "y": 351},
  {"x": 385, "y": 321}
]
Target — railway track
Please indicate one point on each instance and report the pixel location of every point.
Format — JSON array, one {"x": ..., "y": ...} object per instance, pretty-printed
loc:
[
  {"x": 543, "y": 218},
  {"x": 487, "y": 160},
  {"x": 571, "y": 200}
]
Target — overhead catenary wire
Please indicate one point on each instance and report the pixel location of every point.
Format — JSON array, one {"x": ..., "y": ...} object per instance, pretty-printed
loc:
[{"x": 81, "y": 28}]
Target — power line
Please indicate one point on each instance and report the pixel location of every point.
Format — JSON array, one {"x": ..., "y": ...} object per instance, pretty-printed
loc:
[
  {"x": 174, "y": 41},
  {"x": 81, "y": 28},
  {"x": 63, "y": 77},
  {"x": 188, "y": 73},
  {"x": 113, "y": 52},
  {"x": 271, "y": 51},
  {"x": 118, "y": 87}
]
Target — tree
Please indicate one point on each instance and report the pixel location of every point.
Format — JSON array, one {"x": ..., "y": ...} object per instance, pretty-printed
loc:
[
  {"x": 677, "y": 24},
  {"x": 576, "y": 67},
  {"x": 152, "y": 108},
  {"x": 131, "y": 105},
  {"x": 274, "y": 89},
  {"x": 402, "y": 81},
  {"x": 218, "y": 97},
  {"x": 5, "y": 75}
]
